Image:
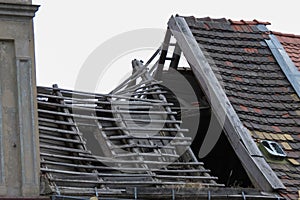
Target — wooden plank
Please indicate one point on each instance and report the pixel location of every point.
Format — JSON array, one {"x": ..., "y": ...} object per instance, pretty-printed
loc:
[
  {"x": 141, "y": 129},
  {"x": 49, "y": 122},
  {"x": 96, "y": 101},
  {"x": 42, "y": 119},
  {"x": 180, "y": 143},
  {"x": 152, "y": 57},
  {"x": 104, "y": 118},
  {"x": 148, "y": 93},
  {"x": 60, "y": 148},
  {"x": 133, "y": 169},
  {"x": 102, "y": 168},
  {"x": 188, "y": 170},
  {"x": 89, "y": 95},
  {"x": 131, "y": 111},
  {"x": 187, "y": 177},
  {"x": 149, "y": 88},
  {"x": 163, "y": 55},
  {"x": 176, "y": 57},
  {"x": 145, "y": 155},
  {"x": 133, "y": 182},
  {"x": 142, "y": 146},
  {"x": 93, "y": 158},
  {"x": 61, "y": 139},
  {"x": 81, "y": 158},
  {"x": 154, "y": 137},
  {"x": 76, "y": 115},
  {"x": 94, "y": 174},
  {"x": 57, "y": 130}
]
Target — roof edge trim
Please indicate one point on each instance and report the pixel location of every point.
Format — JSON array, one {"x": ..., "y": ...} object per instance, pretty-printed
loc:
[
  {"x": 285, "y": 34},
  {"x": 285, "y": 62},
  {"x": 18, "y": 10},
  {"x": 257, "y": 168}
]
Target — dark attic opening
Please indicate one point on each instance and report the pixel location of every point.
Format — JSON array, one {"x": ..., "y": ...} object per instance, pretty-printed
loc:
[{"x": 221, "y": 160}]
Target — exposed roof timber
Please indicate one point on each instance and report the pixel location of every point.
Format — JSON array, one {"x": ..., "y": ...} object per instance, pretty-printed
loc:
[
  {"x": 62, "y": 156},
  {"x": 188, "y": 151},
  {"x": 176, "y": 57},
  {"x": 69, "y": 118},
  {"x": 258, "y": 170},
  {"x": 285, "y": 62},
  {"x": 163, "y": 55},
  {"x": 152, "y": 57}
]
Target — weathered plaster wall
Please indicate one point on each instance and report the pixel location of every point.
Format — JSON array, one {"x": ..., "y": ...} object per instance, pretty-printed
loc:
[
  {"x": 19, "y": 150},
  {"x": 16, "y": 1}
]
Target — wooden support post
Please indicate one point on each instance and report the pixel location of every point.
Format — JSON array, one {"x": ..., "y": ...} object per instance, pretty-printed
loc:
[
  {"x": 176, "y": 57},
  {"x": 163, "y": 55}
]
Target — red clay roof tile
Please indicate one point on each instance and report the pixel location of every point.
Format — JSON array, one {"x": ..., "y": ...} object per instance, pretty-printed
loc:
[
  {"x": 243, "y": 22},
  {"x": 276, "y": 128},
  {"x": 255, "y": 85},
  {"x": 257, "y": 110},
  {"x": 291, "y": 44},
  {"x": 244, "y": 108}
]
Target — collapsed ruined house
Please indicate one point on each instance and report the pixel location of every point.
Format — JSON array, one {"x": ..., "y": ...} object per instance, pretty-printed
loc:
[{"x": 223, "y": 126}]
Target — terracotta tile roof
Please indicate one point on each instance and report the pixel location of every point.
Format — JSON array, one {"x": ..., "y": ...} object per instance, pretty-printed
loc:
[
  {"x": 291, "y": 44},
  {"x": 260, "y": 93},
  {"x": 243, "y": 22}
]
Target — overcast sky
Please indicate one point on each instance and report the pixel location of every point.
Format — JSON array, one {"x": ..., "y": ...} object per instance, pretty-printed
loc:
[{"x": 68, "y": 31}]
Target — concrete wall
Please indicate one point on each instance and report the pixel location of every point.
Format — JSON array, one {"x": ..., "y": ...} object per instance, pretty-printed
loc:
[{"x": 19, "y": 148}]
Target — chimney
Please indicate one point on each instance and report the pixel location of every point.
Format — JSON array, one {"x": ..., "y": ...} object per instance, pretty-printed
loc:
[{"x": 19, "y": 146}]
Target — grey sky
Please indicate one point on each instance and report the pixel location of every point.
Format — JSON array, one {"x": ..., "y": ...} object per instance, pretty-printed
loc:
[{"x": 67, "y": 31}]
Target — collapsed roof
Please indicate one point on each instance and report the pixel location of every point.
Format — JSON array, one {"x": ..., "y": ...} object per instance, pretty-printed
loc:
[{"x": 131, "y": 142}]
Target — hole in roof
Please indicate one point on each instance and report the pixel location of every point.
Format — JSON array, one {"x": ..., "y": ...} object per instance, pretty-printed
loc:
[{"x": 273, "y": 148}]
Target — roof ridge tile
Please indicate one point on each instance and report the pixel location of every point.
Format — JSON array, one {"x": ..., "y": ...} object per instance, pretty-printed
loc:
[
  {"x": 285, "y": 34},
  {"x": 243, "y": 22}
]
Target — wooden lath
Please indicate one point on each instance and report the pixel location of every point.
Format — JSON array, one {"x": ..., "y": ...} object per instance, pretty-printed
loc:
[{"x": 153, "y": 153}]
